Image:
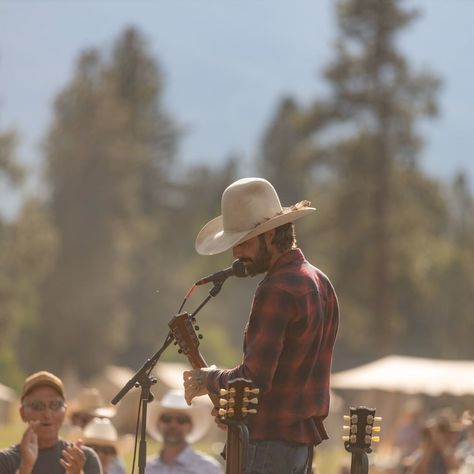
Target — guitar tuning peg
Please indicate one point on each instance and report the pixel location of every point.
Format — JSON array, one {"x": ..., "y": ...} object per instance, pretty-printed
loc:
[
  {"x": 246, "y": 411},
  {"x": 222, "y": 412},
  {"x": 346, "y": 428},
  {"x": 355, "y": 418},
  {"x": 200, "y": 336},
  {"x": 196, "y": 327},
  {"x": 376, "y": 439},
  {"x": 250, "y": 400},
  {"x": 371, "y": 419},
  {"x": 345, "y": 438},
  {"x": 223, "y": 402},
  {"x": 232, "y": 391},
  {"x": 223, "y": 391},
  {"x": 230, "y": 412},
  {"x": 254, "y": 391},
  {"x": 376, "y": 429},
  {"x": 231, "y": 401},
  {"x": 354, "y": 429},
  {"x": 346, "y": 418}
]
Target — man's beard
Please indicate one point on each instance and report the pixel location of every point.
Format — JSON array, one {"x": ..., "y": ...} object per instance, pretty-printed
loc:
[
  {"x": 261, "y": 262},
  {"x": 174, "y": 437}
]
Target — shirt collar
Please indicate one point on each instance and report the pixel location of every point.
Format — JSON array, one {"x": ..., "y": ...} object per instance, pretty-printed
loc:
[
  {"x": 294, "y": 255},
  {"x": 182, "y": 458}
]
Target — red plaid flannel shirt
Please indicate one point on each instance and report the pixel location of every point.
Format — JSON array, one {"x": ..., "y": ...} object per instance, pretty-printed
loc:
[{"x": 288, "y": 347}]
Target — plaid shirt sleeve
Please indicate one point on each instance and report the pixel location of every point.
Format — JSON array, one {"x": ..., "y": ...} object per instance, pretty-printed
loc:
[{"x": 264, "y": 340}]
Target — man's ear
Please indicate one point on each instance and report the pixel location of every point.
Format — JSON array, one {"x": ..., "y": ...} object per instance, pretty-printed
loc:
[
  {"x": 23, "y": 414},
  {"x": 269, "y": 235}
]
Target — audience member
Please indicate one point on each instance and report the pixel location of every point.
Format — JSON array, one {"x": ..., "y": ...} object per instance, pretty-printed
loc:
[
  {"x": 41, "y": 450},
  {"x": 436, "y": 453},
  {"x": 464, "y": 453},
  {"x": 88, "y": 405},
  {"x": 177, "y": 425},
  {"x": 100, "y": 435}
]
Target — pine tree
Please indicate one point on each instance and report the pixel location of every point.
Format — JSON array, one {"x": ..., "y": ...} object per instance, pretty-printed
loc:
[
  {"x": 107, "y": 154},
  {"x": 379, "y": 99}
]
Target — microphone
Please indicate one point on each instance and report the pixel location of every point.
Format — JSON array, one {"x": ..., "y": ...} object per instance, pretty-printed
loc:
[{"x": 237, "y": 269}]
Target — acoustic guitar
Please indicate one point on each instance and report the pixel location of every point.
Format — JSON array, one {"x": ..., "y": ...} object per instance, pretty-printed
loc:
[{"x": 358, "y": 440}]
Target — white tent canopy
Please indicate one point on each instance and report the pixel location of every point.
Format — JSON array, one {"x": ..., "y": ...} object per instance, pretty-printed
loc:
[{"x": 411, "y": 375}]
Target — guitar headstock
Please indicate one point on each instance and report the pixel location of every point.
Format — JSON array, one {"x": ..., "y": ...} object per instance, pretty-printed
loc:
[
  {"x": 183, "y": 327},
  {"x": 361, "y": 428},
  {"x": 238, "y": 400}
]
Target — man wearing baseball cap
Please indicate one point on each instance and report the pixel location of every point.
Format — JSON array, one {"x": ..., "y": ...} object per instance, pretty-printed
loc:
[
  {"x": 41, "y": 450},
  {"x": 290, "y": 334}
]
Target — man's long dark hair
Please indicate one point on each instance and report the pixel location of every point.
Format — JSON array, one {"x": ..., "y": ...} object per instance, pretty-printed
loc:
[{"x": 285, "y": 237}]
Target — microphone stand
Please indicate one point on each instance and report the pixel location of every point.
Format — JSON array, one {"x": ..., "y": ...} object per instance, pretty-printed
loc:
[
  {"x": 145, "y": 380},
  {"x": 214, "y": 291}
]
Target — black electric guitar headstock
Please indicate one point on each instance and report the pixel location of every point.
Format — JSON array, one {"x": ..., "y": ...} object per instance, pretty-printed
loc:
[
  {"x": 359, "y": 437},
  {"x": 237, "y": 401},
  {"x": 361, "y": 428}
]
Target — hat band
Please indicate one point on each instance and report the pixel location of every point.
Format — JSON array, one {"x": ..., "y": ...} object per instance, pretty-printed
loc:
[{"x": 295, "y": 207}]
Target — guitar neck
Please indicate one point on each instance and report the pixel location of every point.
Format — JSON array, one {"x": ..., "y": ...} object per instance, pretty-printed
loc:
[
  {"x": 359, "y": 462},
  {"x": 233, "y": 447}
]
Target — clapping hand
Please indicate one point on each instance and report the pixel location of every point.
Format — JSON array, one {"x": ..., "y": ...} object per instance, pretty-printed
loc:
[
  {"x": 29, "y": 447},
  {"x": 73, "y": 459}
]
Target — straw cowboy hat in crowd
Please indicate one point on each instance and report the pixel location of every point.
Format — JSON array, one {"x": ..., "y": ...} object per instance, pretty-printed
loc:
[
  {"x": 173, "y": 401},
  {"x": 250, "y": 207},
  {"x": 101, "y": 432},
  {"x": 90, "y": 402}
]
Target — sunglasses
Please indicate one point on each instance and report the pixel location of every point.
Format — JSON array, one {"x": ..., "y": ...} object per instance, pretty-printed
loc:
[
  {"x": 181, "y": 419},
  {"x": 107, "y": 450},
  {"x": 53, "y": 405}
]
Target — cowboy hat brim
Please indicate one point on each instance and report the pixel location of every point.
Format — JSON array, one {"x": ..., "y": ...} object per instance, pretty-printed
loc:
[
  {"x": 199, "y": 412},
  {"x": 213, "y": 239},
  {"x": 123, "y": 444}
]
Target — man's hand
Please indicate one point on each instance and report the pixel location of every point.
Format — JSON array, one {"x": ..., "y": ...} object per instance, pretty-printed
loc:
[
  {"x": 217, "y": 419},
  {"x": 29, "y": 448},
  {"x": 73, "y": 459},
  {"x": 195, "y": 383}
]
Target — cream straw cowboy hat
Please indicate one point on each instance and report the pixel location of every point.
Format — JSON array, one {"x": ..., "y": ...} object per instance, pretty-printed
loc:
[
  {"x": 173, "y": 401},
  {"x": 90, "y": 401},
  {"x": 101, "y": 432},
  {"x": 250, "y": 207}
]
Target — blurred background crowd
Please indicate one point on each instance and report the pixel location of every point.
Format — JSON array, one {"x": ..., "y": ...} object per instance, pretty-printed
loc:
[{"x": 425, "y": 430}]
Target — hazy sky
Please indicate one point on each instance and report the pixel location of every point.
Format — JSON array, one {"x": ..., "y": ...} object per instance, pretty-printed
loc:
[{"x": 226, "y": 63}]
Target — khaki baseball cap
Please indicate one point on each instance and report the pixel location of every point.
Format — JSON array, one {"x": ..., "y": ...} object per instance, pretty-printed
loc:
[{"x": 42, "y": 378}]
